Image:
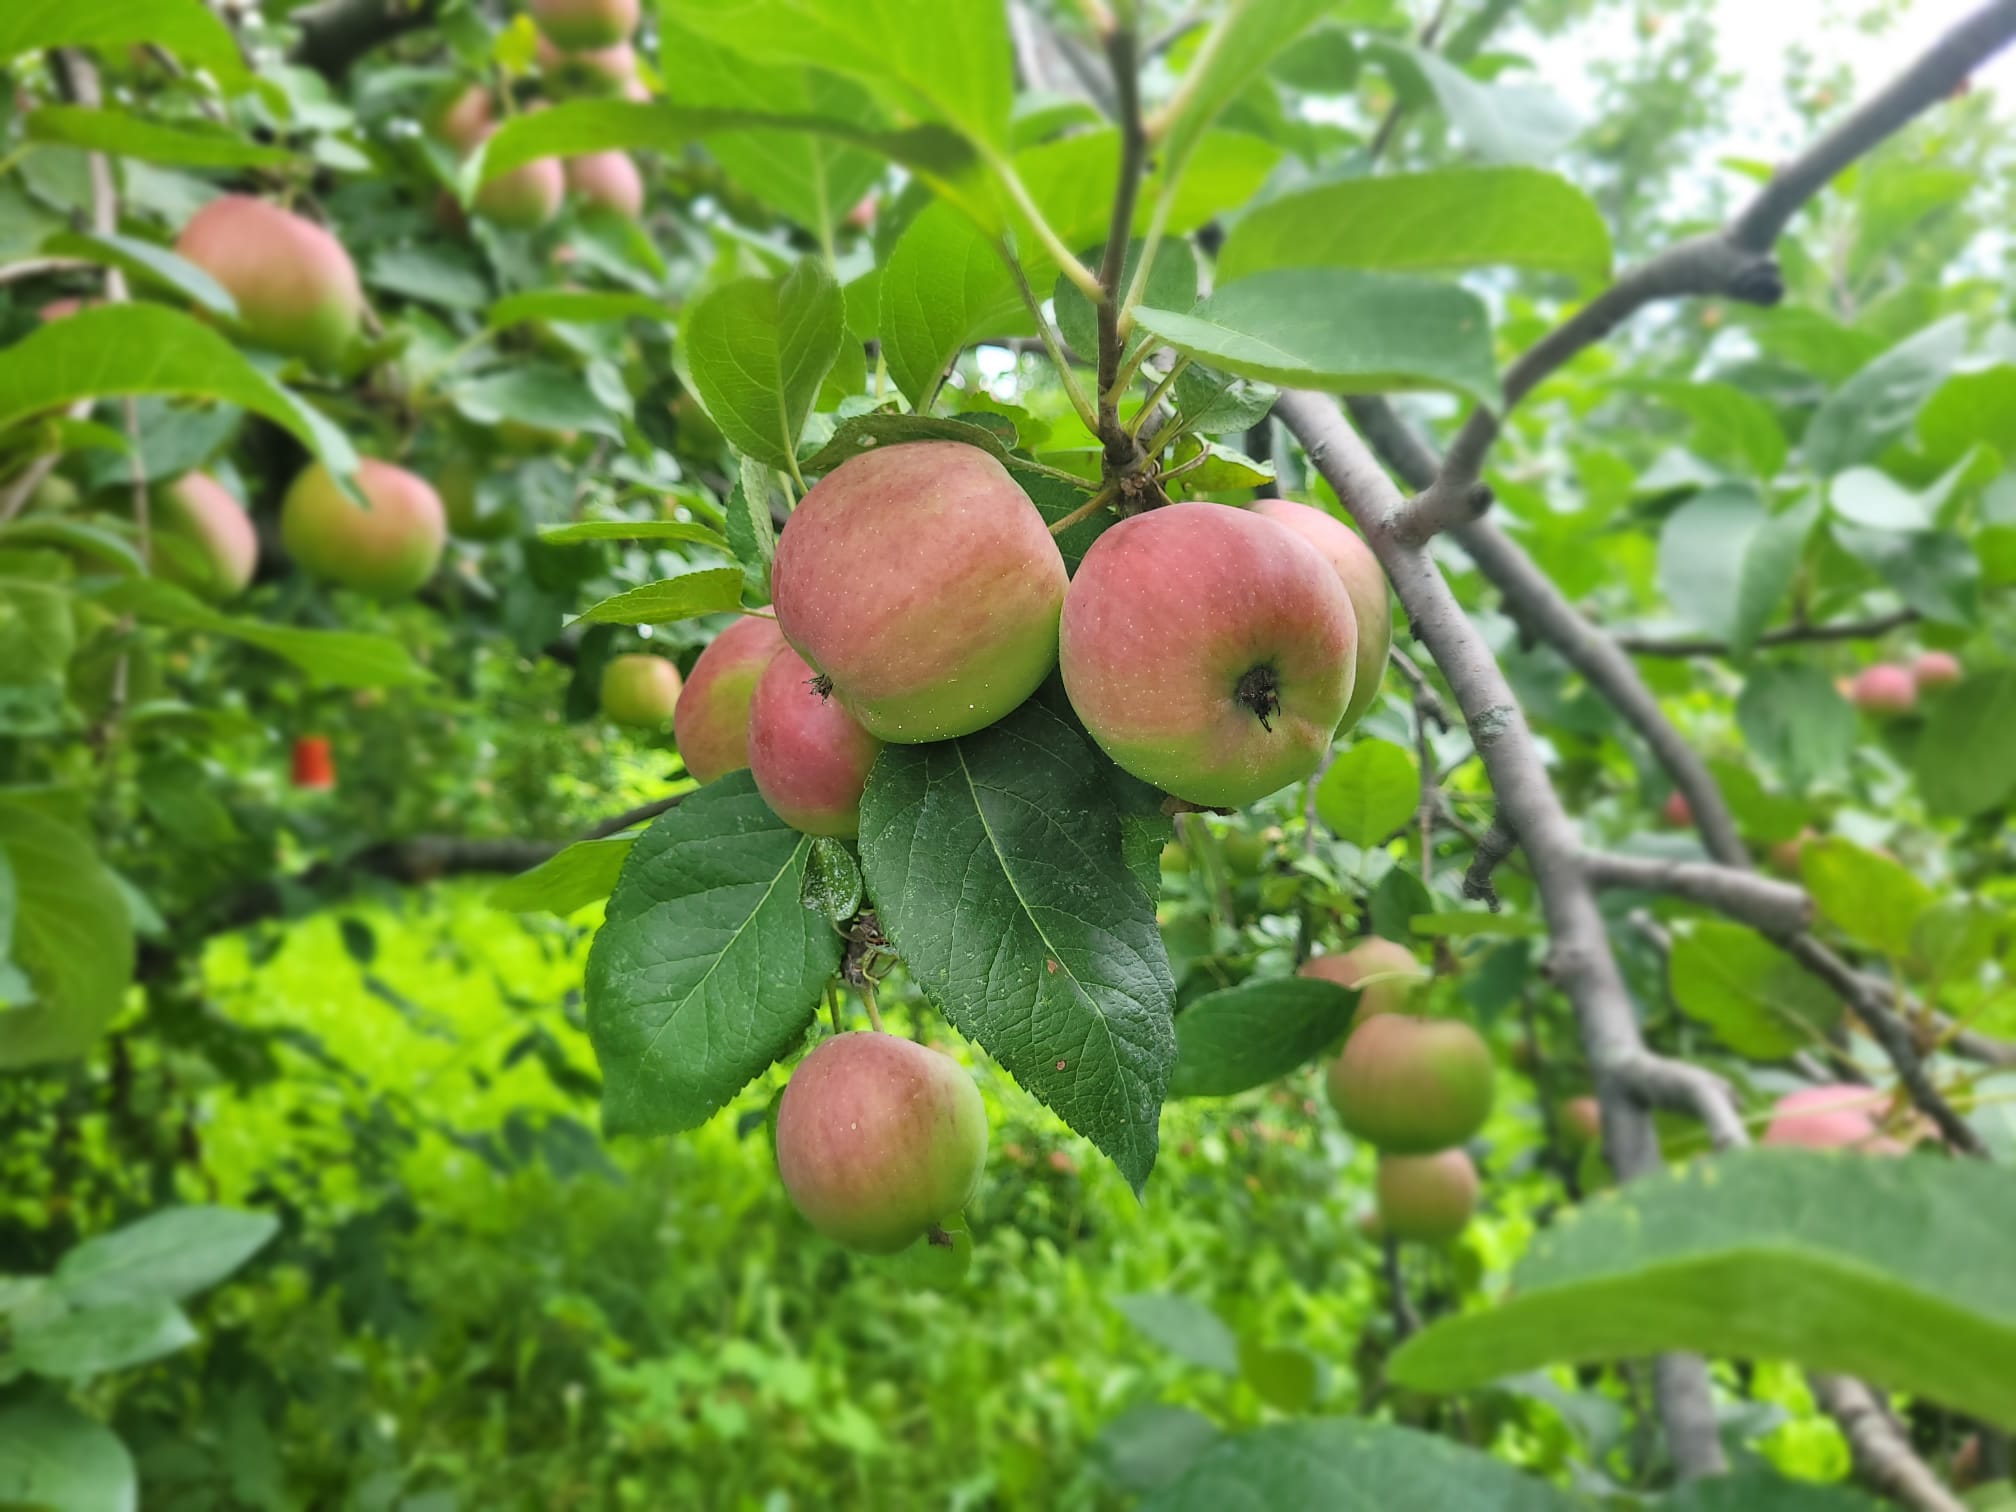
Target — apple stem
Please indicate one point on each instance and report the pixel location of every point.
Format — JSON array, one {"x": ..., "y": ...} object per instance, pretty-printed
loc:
[
  {"x": 868, "y": 1001},
  {"x": 1260, "y": 690}
]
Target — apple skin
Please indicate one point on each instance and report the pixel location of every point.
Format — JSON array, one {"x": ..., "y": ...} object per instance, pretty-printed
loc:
[
  {"x": 1428, "y": 1198},
  {"x": 524, "y": 199},
  {"x": 578, "y": 24},
  {"x": 639, "y": 690},
  {"x": 921, "y": 580},
  {"x": 1402, "y": 975},
  {"x": 1358, "y": 569},
  {"x": 711, "y": 723},
  {"x": 879, "y": 1138},
  {"x": 1884, "y": 689},
  {"x": 1934, "y": 670},
  {"x": 295, "y": 287},
  {"x": 202, "y": 511},
  {"x": 1839, "y": 1116},
  {"x": 1581, "y": 1120},
  {"x": 609, "y": 179},
  {"x": 809, "y": 756},
  {"x": 1412, "y": 1086},
  {"x": 1185, "y": 628},
  {"x": 464, "y": 118},
  {"x": 387, "y": 551},
  {"x": 1676, "y": 812}
]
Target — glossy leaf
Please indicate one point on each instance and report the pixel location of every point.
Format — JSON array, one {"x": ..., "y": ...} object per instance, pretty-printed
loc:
[
  {"x": 944, "y": 285},
  {"x": 758, "y": 348},
  {"x": 711, "y": 590},
  {"x": 832, "y": 881},
  {"x": 1243, "y": 1037}
]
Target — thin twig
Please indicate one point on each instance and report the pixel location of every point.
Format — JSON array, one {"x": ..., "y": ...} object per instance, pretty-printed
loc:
[
  {"x": 1882, "y": 1449},
  {"x": 1789, "y": 635}
]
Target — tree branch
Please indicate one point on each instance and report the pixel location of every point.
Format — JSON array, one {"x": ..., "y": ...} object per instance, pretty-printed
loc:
[
  {"x": 1122, "y": 59},
  {"x": 1789, "y": 635},
  {"x": 1581, "y": 961},
  {"x": 1497, "y": 844},
  {"x": 1882, "y": 1453},
  {"x": 1772, "y": 906}
]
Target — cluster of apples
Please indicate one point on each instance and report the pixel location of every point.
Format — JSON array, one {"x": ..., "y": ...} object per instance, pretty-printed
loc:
[
  {"x": 1887, "y": 689},
  {"x": 1415, "y": 1088}
]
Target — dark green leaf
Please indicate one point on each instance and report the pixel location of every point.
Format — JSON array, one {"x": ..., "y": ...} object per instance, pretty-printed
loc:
[
  {"x": 943, "y": 286},
  {"x": 1172, "y": 285},
  {"x": 1148, "y": 1447},
  {"x": 996, "y": 866},
  {"x": 125, "y": 135},
  {"x": 577, "y": 306},
  {"x": 541, "y": 395},
  {"x": 862, "y": 433},
  {"x": 832, "y": 881},
  {"x": 1247, "y": 1036},
  {"x": 707, "y": 968}
]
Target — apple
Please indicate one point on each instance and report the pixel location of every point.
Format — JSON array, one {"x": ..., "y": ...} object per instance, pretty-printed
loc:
[
  {"x": 809, "y": 757},
  {"x": 1426, "y": 1197},
  {"x": 924, "y": 585},
  {"x": 591, "y": 71},
  {"x": 1836, "y": 1116},
  {"x": 1934, "y": 670},
  {"x": 387, "y": 550},
  {"x": 1412, "y": 1085},
  {"x": 578, "y": 24},
  {"x": 295, "y": 287},
  {"x": 711, "y": 723},
  {"x": 1383, "y": 972},
  {"x": 196, "y": 508},
  {"x": 609, "y": 179},
  {"x": 525, "y": 198},
  {"x": 639, "y": 690},
  {"x": 464, "y": 119},
  {"x": 1358, "y": 569},
  {"x": 879, "y": 1139},
  {"x": 1210, "y": 651},
  {"x": 1884, "y": 689},
  {"x": 1676, "y": 812},
  {"x": 1581, "y": 1120}
]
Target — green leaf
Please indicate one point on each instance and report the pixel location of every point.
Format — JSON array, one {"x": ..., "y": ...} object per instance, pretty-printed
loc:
[
  {"x": 1791, "y": 716},
  {"x": 1247, "y": 1036},
  {"x": 711, "y": 590},
  {"x": 439, "y": 275},
  {"x": 1963, "y": 758},
  {"x": 1371, "y": 790},
  {"x": 170, "y": 1254},
  {"x": 576, "y": 306},
  {"x": 147, "y": 264},
  {"x": 1339, "y": 329},
  {"x": 1172, "y": 285},
  {"x": 752, "y": 530},
  {"x": 184, "y": 27},
  {"x": 862, "y": 433},
  {"x": 1240, "y": 45},
  {"x": 72, "y": 935},
  {"x": 1969, "y": 410},
  {"x": 758, "y": 348},
  {"x": 51, "y": 1455},
  {"x": 73, "y": 1345},
  {"x": 707, "y": 968},
  {"x": 1779, "y": 1254},
  {"x": 1870, "y": 898},
  {"x": 150, "y": 349},
  {"x": 1732, "y": 428},
  {"x": 1934, "y": 571},
  {"x": 1421, "y": 222},
  {"x": 995, "y": 863},
  {"x": 1726, "y": 524},
  {"x": 1503, "y": 123},
  {"x": 331, "y": 658},
  {"x": 1877, "y": 405},
  {"x": 1148, "y": 1447},
  {"x": 37, "y": 631},
  {"x": 1188, "y": 1330},
  {"x": 633, "y": 530},
  {"x": 541, "y": 395},
  {"x": 1876, "y": 501},
  {"x": 126, "y": 135},
  {"x": 585, "y": 872},
  {"x": 1761, "y": 1002},
  {"x": 1286, "y": 1378},
  {"x": 944, "y": 285},
  {"x": 1348, "y": 1465}
]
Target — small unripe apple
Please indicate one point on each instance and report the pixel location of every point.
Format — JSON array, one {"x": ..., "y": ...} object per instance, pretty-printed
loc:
[
  {"x": 1783, "y": 857},
  {"x": 591, "y": 71},
  {"x": 387, "y": 550},
  {"x": 1581, "y": 1120},
  {"x": 1676, "y": 811},
  {"x": 1428, "y": 1198},
  {"x": 711, "y": 723},
  {"x": 295, "y": 287},
  {"x": 879, "y": 1139},
  {"x": 1412, "y": 1085},
  {"x": 1364, "y": 580},
  {"x": 201, "y": 511},
  {"x": 809, "y": 756},
  {"x": 639, "y": 690},
  {"x": 924, "y": 583},
  {"x": 1840, "y": 1116},
  {"x": 464, "y": 119},
  {"x": 577, "y": 24},
  {"x": 1210, "y": 651},
  {"x": 524, "y": 199},
  {"x": 1884, "y": 689},
  {"x": 1934, "y": 670},
  {"x": 609, "y": 179},
  {"x": 1383, "y": 972}
]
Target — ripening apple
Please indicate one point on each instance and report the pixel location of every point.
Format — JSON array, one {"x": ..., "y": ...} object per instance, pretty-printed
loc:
[
  {"x": 199, "y": 510},
  {"x": 577, "y": 24},
  {"x": 609, "y": 179},
  {"x": 639, "y": 690},
  {"x": 592, "y": 71},
  {"x": 295, "y": 287},
  {"x": 922, "y": 582},
  {"x": 809, "y": 756},
  {"x": 1840, "y": 1116},
  {"x": 1884, "y": 689},
  {"x": 1412, "y": 1085},
  {"x": 1581, "y": 1120},
  {"x": 387, "y": 550},
  {"x": 525, "y": 198},
  {"x": 1428, "y": 1198},
  {"x": 1935, "y": 670},
  {"x": 1364, "y": 580},
  {"x": 711, "y": 723},
  {"x": 879, "y": 1139},
  {"x": 1783, "y": 857},
  {"x": 464, "y": 119},
  {"x": 1676, "y": 812},
  {"x": 1383, "y": 972},
  {"x": 1210, "y": 651}
]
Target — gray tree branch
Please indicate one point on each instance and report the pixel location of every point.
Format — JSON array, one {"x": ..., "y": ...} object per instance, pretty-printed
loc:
[
  {"x": 1883, "y": 1454},
  {"x": 1788, "y": 635},
  {"x": 1772, "y": 906}
]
